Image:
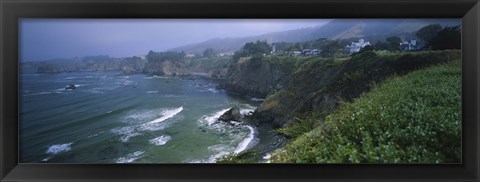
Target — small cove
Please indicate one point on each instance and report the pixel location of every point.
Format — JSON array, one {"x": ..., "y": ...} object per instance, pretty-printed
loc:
[{"x": 112, "y": 118}]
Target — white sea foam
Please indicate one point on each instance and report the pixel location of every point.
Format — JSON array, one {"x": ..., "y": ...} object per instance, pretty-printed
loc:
[
  {"x": 141, "y": 116},
  {"x": 167, "y": 114},
  {"x": 155, "y": 76},
  {"x": 257, "y": 99},
  {"x": 161, "y": 140},
  {"x": 213, "y": 118},
  {"x": 94, "y": 135},
  {"x": 220, "y": 151},
  {"x": 40, "y": 93},
  {"x": 101, "y": 90},
  {"x": 246, "y": 111},
  {"x": 222, "y": 127},
  {"x": 126, "y": 82},
  {"x": 210, "y": 119},
  {"x": 246, "y": 142},
  {"x": 135, "y": 130},
  {"x": 267, "y": 158},
  {"x": 213, "y": 90},
  {"x": 130, "y": 157},
  {"x": 152, "y": 92},
  {"x": 126, "y": 132},
  {"x": 58, "y": 148},
  {"x": 46, "y": 159},
  {"x": 172, "y": 96}
]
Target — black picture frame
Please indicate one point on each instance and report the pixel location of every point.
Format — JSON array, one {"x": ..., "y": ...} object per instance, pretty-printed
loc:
[{"x": 11, "y": 11}]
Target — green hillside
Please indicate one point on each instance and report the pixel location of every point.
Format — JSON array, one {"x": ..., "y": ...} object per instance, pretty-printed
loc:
[{"x": 415, "y": 118}]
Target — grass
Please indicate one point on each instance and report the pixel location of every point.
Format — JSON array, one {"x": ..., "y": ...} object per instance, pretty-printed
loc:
[
  {"x": 415, "y": 118},
  {"x": 300, "y": 127},
  {"x": 245, "y": 157}
]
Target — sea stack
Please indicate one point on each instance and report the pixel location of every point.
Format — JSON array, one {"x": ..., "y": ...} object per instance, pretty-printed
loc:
[{"x": 233, "y": 114}]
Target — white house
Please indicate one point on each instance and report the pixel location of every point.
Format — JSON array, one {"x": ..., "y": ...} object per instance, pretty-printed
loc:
[
  {"x": 295, "y": 53},
  {"x": 409, "y": 45},
  {"x": 356, "y": 46},
  {"x": 310, "y": 52},
  {"x": 227, "y": 53},
  {"x": 189, "y": 55}
]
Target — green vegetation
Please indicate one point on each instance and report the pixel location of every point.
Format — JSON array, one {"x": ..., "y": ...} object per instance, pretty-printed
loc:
[
  {"x": 249, "y": 156},
  {"x": 330, "y": 48},
  {"x": 447, "y": 38},
  {"x": 253, "y": 48},
  {"x": 415, "y": 118},
  {"x": 359, "y": 69},
  {"x": 426, "y": 33},
  {"x": 209, "y": 52},
  {"x": 333, "y": 49},
  {"x": 164, "y": 56},
  {"x": 301, "y": 127},
  {"x": 211, "y": 62}
]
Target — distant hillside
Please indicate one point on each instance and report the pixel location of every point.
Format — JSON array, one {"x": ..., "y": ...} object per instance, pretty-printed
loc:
[{"x": 370, "y": 29}]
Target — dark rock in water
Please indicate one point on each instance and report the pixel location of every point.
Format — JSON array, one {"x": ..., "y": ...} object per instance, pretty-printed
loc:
[
  {"x": 70, "y": 87},
  {"x": 233, "y": 114}
]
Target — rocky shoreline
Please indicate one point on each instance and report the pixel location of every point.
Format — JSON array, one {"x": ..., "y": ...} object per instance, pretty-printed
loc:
[
  {"x": 268, "y": 139},
  {"x": 316, "y": 85}
]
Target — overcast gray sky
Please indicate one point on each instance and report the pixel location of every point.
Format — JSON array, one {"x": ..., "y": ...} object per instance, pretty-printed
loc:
[{"x": 42, "y": 39}]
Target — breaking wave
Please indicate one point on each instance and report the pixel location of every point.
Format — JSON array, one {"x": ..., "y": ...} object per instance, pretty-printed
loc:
[
  {"x": 130, "y": 157},
  {"x": 58, "y": 148},
  {"x": 161, "y": 140},
  {"x": 131, "y": 131}
]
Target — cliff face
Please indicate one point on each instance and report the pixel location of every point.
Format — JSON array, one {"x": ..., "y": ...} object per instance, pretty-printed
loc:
[
  {"x": 214, "y": 68},
  {"x": 254, "y": 77},
  {"x": 133, "y": 65},
  {"x": 169, "y": 68},
  {"x": 128, "y": 65},
  {"x": 320, "y": 85}
]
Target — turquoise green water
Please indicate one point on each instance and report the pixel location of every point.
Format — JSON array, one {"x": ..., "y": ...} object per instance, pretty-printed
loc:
[{"x": 126, "y": 119}]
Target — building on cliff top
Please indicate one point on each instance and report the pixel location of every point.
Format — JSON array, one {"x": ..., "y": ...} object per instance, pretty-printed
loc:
[{"x": 356, "y": 46}]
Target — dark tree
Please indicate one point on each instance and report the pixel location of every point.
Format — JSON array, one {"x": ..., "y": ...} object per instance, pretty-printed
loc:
[
  {"x": 209, "y": 52},
  {"x": 447, "y": 38},
  {"x": 366, "y": 48},
  {"x": 259, "y": 47},
  {"x": 382, "y": 46},
  {"x": 282, "y": 45},
  {"x": 331, "y": 49},
  {"x": 428, "y": 32},
  {"x": 394, "y": 42},
  {"x": 240, "y": 53}
]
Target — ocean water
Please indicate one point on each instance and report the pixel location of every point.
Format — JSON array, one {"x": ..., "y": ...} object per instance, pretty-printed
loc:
[{"x": 127, "y": 119}]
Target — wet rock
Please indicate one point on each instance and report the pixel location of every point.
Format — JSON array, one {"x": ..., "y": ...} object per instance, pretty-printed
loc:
[
  {"x": 233, "y": 114},
  {"x": 70, "y": 87}
]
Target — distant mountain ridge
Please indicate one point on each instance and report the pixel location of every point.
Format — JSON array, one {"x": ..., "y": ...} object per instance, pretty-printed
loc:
[{"x": 371, "y": 29}]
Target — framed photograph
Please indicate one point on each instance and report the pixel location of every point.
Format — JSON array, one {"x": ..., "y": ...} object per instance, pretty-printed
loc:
[{"x": 239, "y": 90}]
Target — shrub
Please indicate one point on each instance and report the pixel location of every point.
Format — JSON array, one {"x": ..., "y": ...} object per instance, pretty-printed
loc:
[
  {"x": 415, "y": 118},
  {"x": 302, "y": 126},
  {"x": 249, "y": 156}
]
